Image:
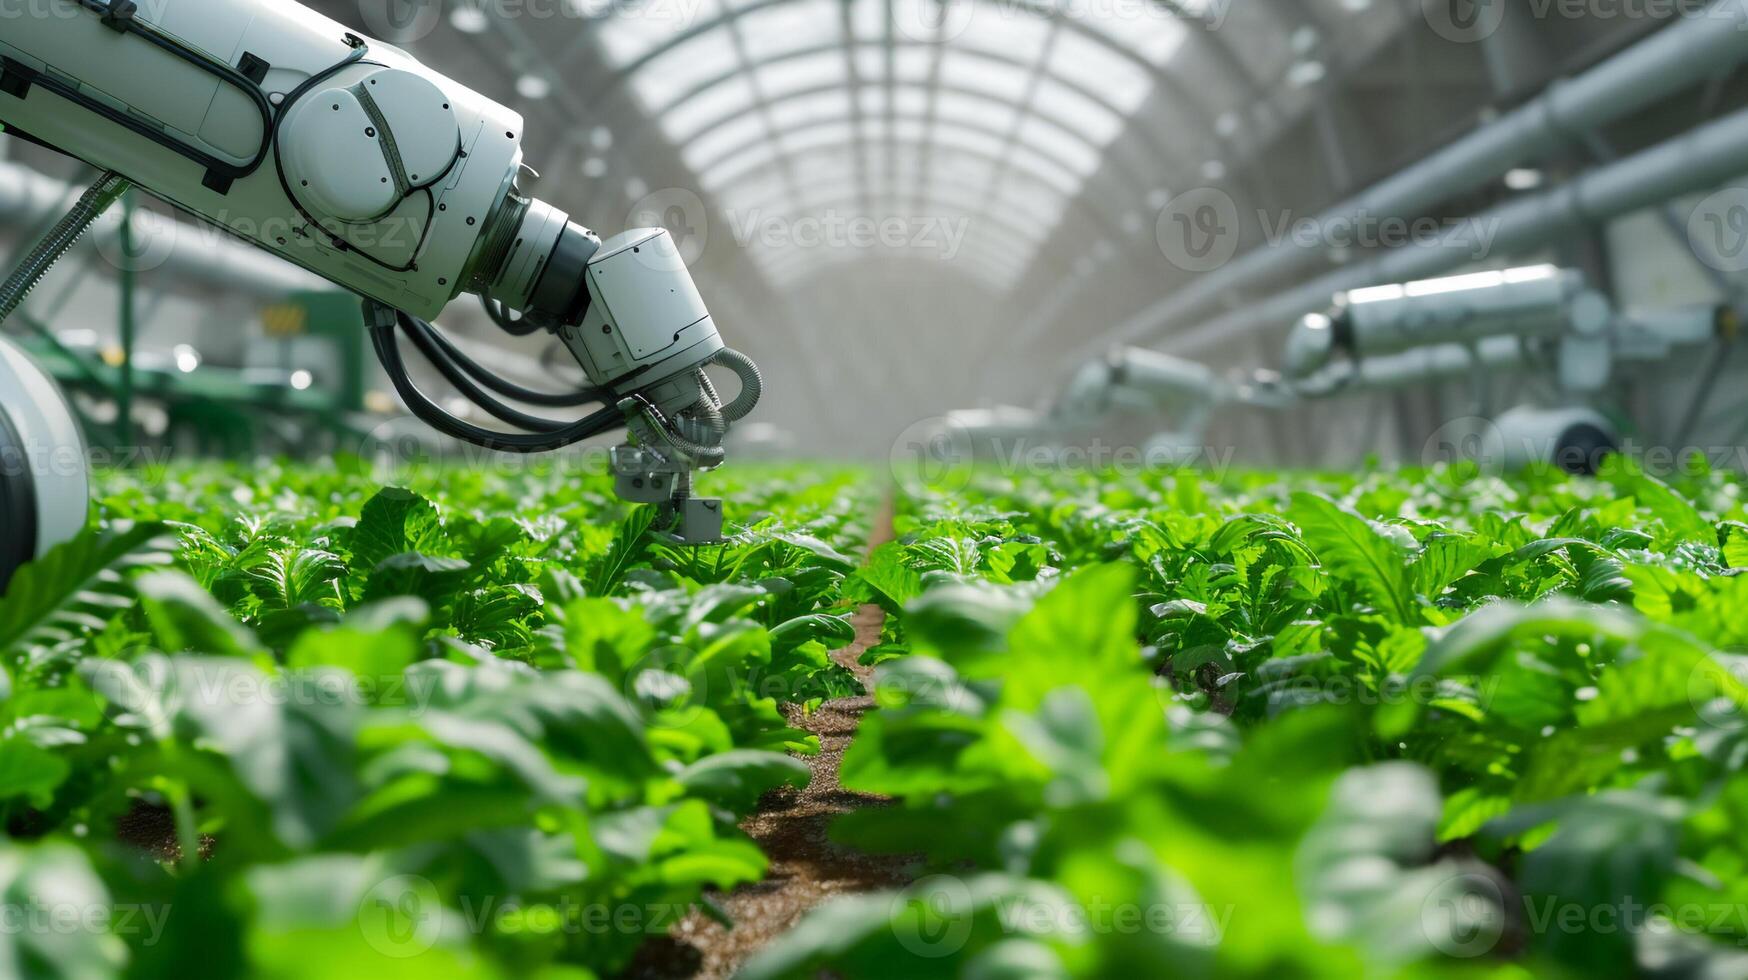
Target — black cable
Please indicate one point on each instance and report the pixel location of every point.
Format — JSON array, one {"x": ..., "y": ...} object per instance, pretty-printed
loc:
[
  {"x": 510, "y": 389},
  {"x": 500, "y": 314},
  {"x": 420, "y": 332},
  {"x": 427, "y": 411}
]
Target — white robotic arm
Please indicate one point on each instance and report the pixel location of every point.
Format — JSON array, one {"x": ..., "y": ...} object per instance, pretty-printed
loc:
[
  {"x": 1397, "y": 336},
  {"x": 351, "y": 159},
  {"x": 1400, "y": 334}
]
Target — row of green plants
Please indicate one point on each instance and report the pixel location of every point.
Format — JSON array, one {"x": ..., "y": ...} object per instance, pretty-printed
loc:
[
  {"x": 1406, "y": 724},
  {"x": 287, "y": 721}
]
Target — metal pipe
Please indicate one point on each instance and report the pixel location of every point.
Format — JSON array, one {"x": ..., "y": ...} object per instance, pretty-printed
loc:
[
  {"x": 1682, "y": 54},
  {"x": 200, "y": 254},
  {"x": 1700, "y": 158}
]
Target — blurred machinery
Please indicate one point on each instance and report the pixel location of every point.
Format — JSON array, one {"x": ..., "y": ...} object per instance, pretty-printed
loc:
[
  {"x": 303, "y": 390},
  {"x": 1182, "y": 395},
  {"x": 1533, "y": 318}
]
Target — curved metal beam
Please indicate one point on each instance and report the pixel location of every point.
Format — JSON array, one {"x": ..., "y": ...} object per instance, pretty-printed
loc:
[
  {"x": 1071, "y": 202},
  {"x": 1074, "y": 206},
  {"x": 1191, "y": 99},
  {"x": 1130, "y": 178}
]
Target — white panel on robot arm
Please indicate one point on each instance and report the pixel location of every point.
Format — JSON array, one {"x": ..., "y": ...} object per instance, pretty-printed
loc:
[
  {"x": 1438, "y": 362},
  {"x": 1001, "y": 422},
  {"x": 1585, "y": 363},
  {"x": 1089, "y": 393},
  {"x": 399, "y": 216},
  {"x": 1649, "y": 335},
  {"x": 1165, "y": 377},
  {"x": 1526, "y": 302}
]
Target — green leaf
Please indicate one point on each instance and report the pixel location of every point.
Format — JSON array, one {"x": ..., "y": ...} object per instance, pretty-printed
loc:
[
  {"x": 737, "y": 779},
  {"x": 185, "y": 618},
  {"x": 1351, "y": 548},
  {"x": 1733, "y": 540},
  {"x": 630, "y": 542},
  {"x": 429, "y": 577},
  {"x": 30, "y": 772},
  {"x": 893, "y": 582},
  {"x": 76, "y": 587},
  {"x": 296, "y": 577},
  {"x": 1682, "y": 519},
  {"x": 77, "y": 947},
  {"x": 1444, "y": 559},
  {"x": 1474, "y": 642},
  {"x": 396, "y": 520},
  {"x": 833, "y": 631}
]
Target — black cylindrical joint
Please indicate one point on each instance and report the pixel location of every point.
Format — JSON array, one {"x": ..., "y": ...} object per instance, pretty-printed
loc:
[{"x": 561, "y": 292}]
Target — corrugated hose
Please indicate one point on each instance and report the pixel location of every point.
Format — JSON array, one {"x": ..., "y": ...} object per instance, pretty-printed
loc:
[{"x": 63, "y": 236}]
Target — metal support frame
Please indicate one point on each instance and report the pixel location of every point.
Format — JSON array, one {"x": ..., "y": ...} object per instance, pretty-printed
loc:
[
  {"x": 1682, "y": 54},
  {"x": 1696, "y": 160}
]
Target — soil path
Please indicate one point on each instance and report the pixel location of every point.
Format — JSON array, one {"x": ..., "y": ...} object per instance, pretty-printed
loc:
[{"x": 790, "y": 826}]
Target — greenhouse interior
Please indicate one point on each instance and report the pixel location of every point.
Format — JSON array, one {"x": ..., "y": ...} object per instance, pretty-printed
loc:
[{"x": 785, "y": 489}]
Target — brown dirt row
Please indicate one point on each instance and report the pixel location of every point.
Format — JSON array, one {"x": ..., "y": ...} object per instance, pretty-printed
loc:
[{"x": 791, "y": 827}]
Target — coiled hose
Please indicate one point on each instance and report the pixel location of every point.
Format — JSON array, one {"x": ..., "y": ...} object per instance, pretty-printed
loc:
[
  {"x": 63, "y": 236},
  {"x": 752, "y": 384}
]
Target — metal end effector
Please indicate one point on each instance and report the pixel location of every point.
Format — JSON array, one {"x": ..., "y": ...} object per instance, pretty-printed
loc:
[
  {"x": 630, "y": 314},
  {"x": 645, "y": 338}
]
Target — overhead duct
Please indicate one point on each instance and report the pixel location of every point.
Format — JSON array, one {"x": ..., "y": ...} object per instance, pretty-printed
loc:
[
  {"x": 1687, "y": 52},
  {"x": 1699, "y": 159},
  {"x": 186, "y": 251}
]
